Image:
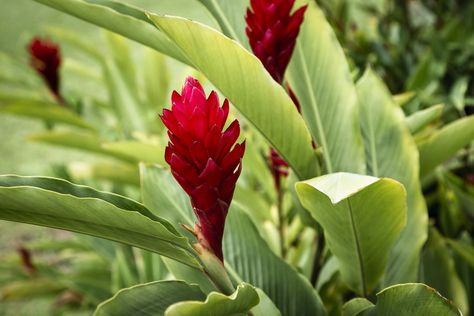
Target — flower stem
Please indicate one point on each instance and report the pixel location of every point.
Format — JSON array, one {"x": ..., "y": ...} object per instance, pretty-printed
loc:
[{"x": 281, "y": 222}]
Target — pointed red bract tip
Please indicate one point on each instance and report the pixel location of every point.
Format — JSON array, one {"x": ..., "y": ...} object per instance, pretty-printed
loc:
[
  {"x": 272, "y": 31},
  {"x": 204, "y": 157}
]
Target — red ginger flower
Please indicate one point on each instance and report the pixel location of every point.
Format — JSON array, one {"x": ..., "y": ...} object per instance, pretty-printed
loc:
[
  {"x": 45, "y": 58},
  {"x": 272, "y": 32},
  {"x": 203, "y": 157}
]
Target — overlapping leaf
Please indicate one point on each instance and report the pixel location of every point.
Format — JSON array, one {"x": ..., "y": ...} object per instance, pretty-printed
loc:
[
  {"x": 61, "y": 204},
  {"x": 362, "y": 216},
  {"x": 391, "y": 152}
]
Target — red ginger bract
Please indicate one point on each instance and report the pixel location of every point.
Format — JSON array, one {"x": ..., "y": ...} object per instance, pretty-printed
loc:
[
  {"x": 272, "y": 32},
  {"x": 203, "y": 157},
  {"x": 45, "y": 58}
]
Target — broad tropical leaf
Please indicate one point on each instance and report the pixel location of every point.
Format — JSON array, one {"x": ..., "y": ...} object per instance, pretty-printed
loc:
[
  {"x": 60, "y": 204},
  {"x": 319, "y": 75},
  {"x": 237, "y": 304},
  {"x": 391, "y": 152},
  {"x": 410, "y": 299},
  {"x": 150, "y": 299},
  {"x": 241, "y": 77},
  {"x": 362, "y": 217},
  {"x": 120, "y": 18}
]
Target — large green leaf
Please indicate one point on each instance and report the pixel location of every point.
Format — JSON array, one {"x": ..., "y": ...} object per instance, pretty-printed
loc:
[
  {"x": 231, "y": 17},
  {"x": 319, "y": 75},
  {"x": 60, "y": 204},
  {"x": 241, "y": 77},
  {"x": 121, "y": 18},
  {"x": 48, "y": 111},
  {"x": 237, "y": 304},
  {"x": 150, "y": 299},
  {"x": 445, "y": 143},
  {"x": 362, "y": 217},
  {"x": 391, "y": 152},
  {"x": 410, "y": 299},
  {"x": 252, "y": 261},
  {"x": 143, "y": 152}
]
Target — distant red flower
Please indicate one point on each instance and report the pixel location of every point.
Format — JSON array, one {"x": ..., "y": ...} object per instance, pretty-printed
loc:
[
  {"x": 272, "y": 32},
  {"x": 204, "y": 158},
  {"x": 45, "y": 58}
]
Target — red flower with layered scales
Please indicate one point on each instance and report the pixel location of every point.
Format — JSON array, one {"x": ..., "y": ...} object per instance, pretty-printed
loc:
[
  {"x": 272, "y": 31},
  {"x": 204, "y": 158},
  {"x": 45, "y": 58}
]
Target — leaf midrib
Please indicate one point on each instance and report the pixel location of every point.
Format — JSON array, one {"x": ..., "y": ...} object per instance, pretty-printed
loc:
[
  {"x": 358, "y": 248},
  {"x": 319, "y": 126}
]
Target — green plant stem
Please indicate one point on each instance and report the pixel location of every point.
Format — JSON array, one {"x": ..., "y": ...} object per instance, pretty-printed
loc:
[
  {"x": 318, "y": 257},
  {"x": 281, "y": 222}
]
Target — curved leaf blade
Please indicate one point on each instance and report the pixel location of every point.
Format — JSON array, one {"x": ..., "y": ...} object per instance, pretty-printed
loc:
[
  {"x": 150, "y": 299},
  {"x": 419, "y": 120},
  {"x": 120, "y": 18},
  {"x": 445, "y": 143},
  {"x": 239, "y": 303},
  {"x": 319, "y": 75},
  {"x": 411, "y": 299},
  {"x": 386, "y": 136},
  {"x": 362, "y": 217},
  {"x": 60, "y": 204},
  {"x": 241, "y": 77}
]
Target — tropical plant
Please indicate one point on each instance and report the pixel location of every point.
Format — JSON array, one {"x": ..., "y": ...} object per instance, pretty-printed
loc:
[{"x": 325, "y": 195}]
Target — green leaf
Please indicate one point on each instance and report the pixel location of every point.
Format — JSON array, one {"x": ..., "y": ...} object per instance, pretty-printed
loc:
[
  {"x": 319, "y": 75},
  {"x": 142, "y": 152},
  {"x": 362, "y": 217},
  {"x": 170, "y": 201},
  {"x": 50, "y": 112},
  {"x": 231, "y": 17},
  {"x": 391, "y": 152},
  {"x": 251, "y": 260},
  {"x": 421, "y": 119},
  {"x": 83, "y": 141},
  {"x": 356, "y": 306},
  {"x": 120, "y": 18},
  {"x": 445, "y": 143},
  {"x": 241, "y": 77},
  {"x": 438, "y": 270},
  {"x": 150, "y": 299},
  {"x": 411, "y": 299},
  {"x": 464, "y": 250},
  {"x": 458, "y": 92},
  {"x": 60, "y": 204},
  {"x": 239, "y": 303}
]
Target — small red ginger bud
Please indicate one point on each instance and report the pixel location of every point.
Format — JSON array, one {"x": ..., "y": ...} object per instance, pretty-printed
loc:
[
  {"x": 204, "y": 158},
  {"x": 45, "y": 58},
  {"x": 272, "y": 32}
]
